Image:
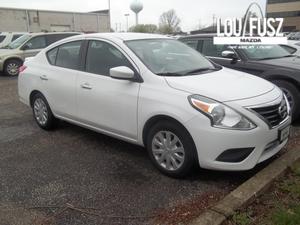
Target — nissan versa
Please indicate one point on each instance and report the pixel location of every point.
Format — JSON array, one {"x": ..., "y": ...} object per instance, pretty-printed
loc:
[{"x": 157, "y": 92}]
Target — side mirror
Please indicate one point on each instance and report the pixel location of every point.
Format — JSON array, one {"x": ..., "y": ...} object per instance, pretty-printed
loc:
[
  {"x": 122, "y": 73},
  {"x": 229, "y": 54}
]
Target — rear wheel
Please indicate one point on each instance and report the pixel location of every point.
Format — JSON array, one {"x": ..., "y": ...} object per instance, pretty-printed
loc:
[
  {"x": 293, "y": 96},
  {"x": 11, "y": 67},
  {"x": 171, "y": 149},
  {"x": 42, "y": 112}
]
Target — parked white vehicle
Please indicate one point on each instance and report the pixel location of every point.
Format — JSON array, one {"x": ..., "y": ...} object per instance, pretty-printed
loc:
[
  {"x": 157, "y": 92},
  {"x": 7, "y": 37},
  {"x": 292, "y": 47}
]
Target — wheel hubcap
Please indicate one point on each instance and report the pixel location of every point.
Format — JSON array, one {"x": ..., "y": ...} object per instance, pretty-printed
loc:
[
  {"x": 13, "y": 69},
  {"x": 289, "y": 97},
  {"x": 40, "y": 111},
  {"x": 168, "y": 150}
]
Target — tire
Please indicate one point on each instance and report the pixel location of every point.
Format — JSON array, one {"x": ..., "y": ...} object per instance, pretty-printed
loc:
[
  {"x": 42, "y": 112},
  {"x": 11, "y": 67},
  {"x": 185, "y": 159},
  {"x": 293, "y": 96}
]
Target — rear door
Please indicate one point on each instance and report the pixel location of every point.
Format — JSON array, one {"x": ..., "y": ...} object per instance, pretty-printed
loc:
[
  {"x": 59, "y": 78},
  {"x": 103, "y": 102}
]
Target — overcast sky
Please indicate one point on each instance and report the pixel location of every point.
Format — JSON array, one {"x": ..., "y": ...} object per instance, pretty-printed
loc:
[{"x": 191, "y": 12}]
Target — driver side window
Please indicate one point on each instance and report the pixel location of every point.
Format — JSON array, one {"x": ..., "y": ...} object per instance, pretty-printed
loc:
[
  {"x": 101, "y": 57},
  {"x": 36, "y": 43}
]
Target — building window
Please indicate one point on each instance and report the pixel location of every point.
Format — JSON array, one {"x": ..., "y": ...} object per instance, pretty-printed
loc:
[
  {"x": 281, "y": 1},
  {"x": 284, "y": 14}
]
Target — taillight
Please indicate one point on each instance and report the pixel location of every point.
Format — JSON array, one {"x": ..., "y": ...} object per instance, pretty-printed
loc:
[{"x": 22, "y": 68}]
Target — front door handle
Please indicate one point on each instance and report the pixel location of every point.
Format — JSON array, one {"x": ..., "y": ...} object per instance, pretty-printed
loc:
[
  {"x": 43, "y": 77},
  {"x": 86, "y": 86}
]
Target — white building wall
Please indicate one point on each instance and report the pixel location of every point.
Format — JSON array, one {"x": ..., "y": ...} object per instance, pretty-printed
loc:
[{"x": 38, "y": 20}]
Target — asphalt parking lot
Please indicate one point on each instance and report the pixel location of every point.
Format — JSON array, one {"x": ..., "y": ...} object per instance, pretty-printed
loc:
[{"x": 42, "y": 172}]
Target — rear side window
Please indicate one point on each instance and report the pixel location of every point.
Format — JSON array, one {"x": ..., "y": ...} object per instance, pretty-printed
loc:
[
  {"x": 2, "y": 37},
  {"x": 101, "y": 57},
  {"x": 67, "y": 56},
  {"x": 51, "y": 55},
  {"x": 192, "y": 43},
  {"x": 16, "y": 36}
]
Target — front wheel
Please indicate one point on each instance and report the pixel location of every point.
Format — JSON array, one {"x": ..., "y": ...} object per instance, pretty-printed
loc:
[
  {"x": 171, "y": 149},
  {"x": 293, "y": 96},
  {"x": 12, "y": 66}
]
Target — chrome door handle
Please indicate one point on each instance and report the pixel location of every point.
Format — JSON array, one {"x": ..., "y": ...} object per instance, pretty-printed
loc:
[
  {"x": 86, "y": 86},
  {"x": 43, "y": 77}
]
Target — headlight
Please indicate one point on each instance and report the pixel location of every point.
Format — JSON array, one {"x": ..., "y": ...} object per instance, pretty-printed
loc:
[{"x": 221, "y": 116}]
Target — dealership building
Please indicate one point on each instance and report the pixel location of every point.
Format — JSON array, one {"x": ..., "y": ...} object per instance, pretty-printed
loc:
[
  {"x": 30, "y": 20},
  {"x": 287, "y": 9}
]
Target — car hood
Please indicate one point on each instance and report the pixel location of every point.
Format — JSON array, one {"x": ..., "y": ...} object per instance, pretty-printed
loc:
[
  {"x": 223, "y": 85},
  {"x": 287, "y": 62}
]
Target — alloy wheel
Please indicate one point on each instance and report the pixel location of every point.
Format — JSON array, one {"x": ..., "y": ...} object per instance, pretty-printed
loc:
[
  {"x": 168, "y": 150},
  {"x": 12, "y": 69},
  {"x": 289, "y": 97},
  {"x": 40, "y": 111}
]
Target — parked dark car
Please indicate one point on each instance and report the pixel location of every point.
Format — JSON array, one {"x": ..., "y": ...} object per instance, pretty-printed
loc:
[{"x": 271, "y": 62}]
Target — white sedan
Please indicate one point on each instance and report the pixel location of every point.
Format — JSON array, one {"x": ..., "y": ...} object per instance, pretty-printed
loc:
[
  {"x": 157, "y": 92},
  {"x": 293, "y": 47}
]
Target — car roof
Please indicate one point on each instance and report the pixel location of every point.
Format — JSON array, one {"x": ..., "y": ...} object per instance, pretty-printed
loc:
[
  {"x": 199, "y": 35},
  {"x": 49, "y": 33},
  {"x": 125, "y": 36}
]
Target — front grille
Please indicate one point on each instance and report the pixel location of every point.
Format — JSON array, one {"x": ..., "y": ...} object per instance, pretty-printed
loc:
[{"x": 274, "y": 114}]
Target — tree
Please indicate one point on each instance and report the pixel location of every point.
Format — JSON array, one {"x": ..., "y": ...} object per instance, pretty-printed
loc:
[
  {"x": 169, "y": 22},
  {"x": 144, "y": 28}
]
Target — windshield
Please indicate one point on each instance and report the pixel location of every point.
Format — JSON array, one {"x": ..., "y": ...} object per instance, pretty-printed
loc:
[
  {"x": 261, "y": 52},
  {"x": 19, "y": 41},
  {"x": 169, "y": 57}
]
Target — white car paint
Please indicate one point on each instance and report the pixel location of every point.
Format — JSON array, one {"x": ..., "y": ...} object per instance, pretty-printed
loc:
[{"x": 121, "y": 108}]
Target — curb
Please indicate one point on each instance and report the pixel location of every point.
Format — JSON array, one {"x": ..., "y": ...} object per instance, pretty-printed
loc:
[{"x": 248, "y": 191}]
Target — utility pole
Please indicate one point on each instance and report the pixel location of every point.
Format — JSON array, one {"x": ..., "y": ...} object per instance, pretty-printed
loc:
[
  {"x": 109, "y": 17},
  {"x": 214, "y": 16},
  {"x": 126, "y": 15}
]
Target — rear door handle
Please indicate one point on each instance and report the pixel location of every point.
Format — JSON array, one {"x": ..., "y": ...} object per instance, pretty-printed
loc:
[
  {"x": 86, "y": 86},
  {"x": 43, "y": 77}
]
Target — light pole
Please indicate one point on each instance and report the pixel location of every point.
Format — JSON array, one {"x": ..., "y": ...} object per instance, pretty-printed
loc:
[{"x": 127, "y": 15}]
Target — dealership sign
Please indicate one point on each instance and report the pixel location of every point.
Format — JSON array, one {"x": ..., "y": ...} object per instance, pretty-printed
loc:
[{"x": 250, "y": 30}]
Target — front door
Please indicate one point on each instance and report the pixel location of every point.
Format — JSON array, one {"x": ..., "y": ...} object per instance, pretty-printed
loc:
[
  {"x": 34, "y": 46},
  {"x": 103, "y": 102}
]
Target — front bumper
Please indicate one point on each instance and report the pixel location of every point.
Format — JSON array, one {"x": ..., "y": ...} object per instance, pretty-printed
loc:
[{"x": 212, "y": 142}]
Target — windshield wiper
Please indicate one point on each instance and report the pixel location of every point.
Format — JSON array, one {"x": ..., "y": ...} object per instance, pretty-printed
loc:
[
  {"x": 267, "y": 58},
  {"x": 289, "y": 56},
  {"x": 196, "y": 71},
  {"x": 168, "y": 74}
]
